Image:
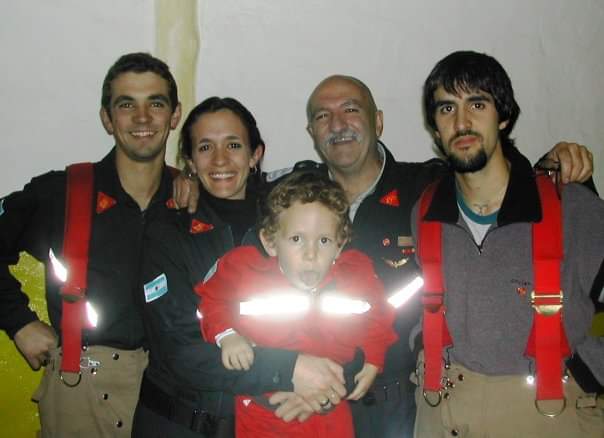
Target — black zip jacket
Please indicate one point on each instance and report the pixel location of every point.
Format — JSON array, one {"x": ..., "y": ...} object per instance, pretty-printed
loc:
[
  {"x": 32, "y": 220},
  {"x": 183, "y": 248}
]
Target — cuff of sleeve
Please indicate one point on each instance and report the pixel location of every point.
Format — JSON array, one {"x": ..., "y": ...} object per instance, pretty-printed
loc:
[
  {"x": 220, "y": 336},
  {"x": 19, "y": 322},
  {"x": 276, "y": 368}
]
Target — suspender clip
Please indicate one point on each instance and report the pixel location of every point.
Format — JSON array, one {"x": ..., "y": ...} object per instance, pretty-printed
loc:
[{"x": 546, "y": 304}]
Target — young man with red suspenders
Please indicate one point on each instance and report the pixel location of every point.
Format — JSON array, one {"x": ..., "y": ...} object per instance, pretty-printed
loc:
[
  {"x": 92, "y": 351},
  {"x": 508, "y": 264}
]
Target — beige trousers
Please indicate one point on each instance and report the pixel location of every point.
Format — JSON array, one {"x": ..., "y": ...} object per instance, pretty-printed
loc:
[
  {"x": 101, "y": 405},
  {"x": 480, "y": 406}
]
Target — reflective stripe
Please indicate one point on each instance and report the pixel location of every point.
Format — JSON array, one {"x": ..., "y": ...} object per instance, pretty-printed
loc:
[
  {"x": 296, "y": 304},
  {"x": 287, "y": 304},
  {"x": 338, "y": 305},
  {"x": 91, "y": 313},
  {"x": 399, "y": 298},
  {"x": 57, "y": 267}
]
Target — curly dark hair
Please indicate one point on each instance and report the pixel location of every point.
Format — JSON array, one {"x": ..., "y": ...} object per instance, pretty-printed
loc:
[{"x": 305, "y": 187}]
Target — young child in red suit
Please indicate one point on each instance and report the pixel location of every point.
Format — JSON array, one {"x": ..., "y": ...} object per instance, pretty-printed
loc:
[{"x": 307, "y": 295}]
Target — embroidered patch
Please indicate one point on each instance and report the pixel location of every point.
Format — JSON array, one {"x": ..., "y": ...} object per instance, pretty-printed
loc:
[
  {"x": 156, "y": 288},
  {"x": 395, "y": 264},
  {"x": 198, "y": 226},
  {"x": 1, "y": 207},
  {"x": 391, "y": 199},
  {"x": 404, "y": 241},
  {"x": 104, "y": 202}
]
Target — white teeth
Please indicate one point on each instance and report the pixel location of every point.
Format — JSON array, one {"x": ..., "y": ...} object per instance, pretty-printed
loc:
[
  {"x": 142, "y": 133},
  {"x": 223, "y": 175},
  {"x": 342, "y": 140}
]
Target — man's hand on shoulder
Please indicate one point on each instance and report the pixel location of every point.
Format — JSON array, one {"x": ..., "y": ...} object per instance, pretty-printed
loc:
[
  {"x": 34, "y": 342},
  {"x": 185, "y": 191},
  {"x": 576, "y": 162}
]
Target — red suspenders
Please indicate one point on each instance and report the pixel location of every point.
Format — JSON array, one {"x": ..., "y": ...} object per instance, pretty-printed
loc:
[
  {"x": 78, "y": 221},
  {"x": 435, "y": 331},
  {"x": 547, "y": 342}
]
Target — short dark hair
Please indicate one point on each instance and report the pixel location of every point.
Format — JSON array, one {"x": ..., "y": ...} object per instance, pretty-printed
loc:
[
  {"x": 305, "y": 187},
  {"x": 471, "y": 71},
  {"x": 212, "y": 105},
  {"x": 138, "y": 63}
]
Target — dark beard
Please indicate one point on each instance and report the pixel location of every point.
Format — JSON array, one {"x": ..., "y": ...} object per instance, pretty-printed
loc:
[{"x": 474, "y": 164}]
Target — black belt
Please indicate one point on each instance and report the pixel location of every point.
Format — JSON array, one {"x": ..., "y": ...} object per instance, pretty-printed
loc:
[
  {"x": 384, "y": 390},
  {"x": 196, "y": 419}
]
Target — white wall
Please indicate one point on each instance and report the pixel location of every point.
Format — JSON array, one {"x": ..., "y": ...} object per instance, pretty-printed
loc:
[
  {"x": 271, "y": 53},
  {"x": 54, "y": 57}
]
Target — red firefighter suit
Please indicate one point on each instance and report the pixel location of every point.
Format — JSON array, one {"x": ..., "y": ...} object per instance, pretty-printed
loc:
[{"x": 244, "y": 276}]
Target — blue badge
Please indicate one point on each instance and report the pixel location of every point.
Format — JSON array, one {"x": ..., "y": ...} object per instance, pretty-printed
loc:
[
  {"x": 156, "y": 288},
  {"x": 1, "y": 207}
]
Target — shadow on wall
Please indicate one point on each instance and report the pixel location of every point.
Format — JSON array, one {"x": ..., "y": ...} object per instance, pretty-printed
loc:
[{"x": 18, "y": 414}]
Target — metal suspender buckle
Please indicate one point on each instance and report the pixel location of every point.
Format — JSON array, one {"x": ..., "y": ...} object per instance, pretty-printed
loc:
[
  {"x": 69, "y": 384},
  {"x": 546, "y": 304},
  {"x": 427, "y": 397},
  {"x": 72, "y": 293},
  {"x": 556, "y": 410}
]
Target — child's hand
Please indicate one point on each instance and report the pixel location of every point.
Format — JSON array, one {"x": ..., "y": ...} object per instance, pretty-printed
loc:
[
  {"x": 237, "y": 352},
  {"x": 363, "y": 379}
]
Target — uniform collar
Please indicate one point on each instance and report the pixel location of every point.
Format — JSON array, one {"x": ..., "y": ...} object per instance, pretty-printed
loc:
[
  {"x": 108, "y": 182},
  {"x": 388, "y": 173},
  {"x": 383, "y": 153},
  {"x": 520, "y": 203}
]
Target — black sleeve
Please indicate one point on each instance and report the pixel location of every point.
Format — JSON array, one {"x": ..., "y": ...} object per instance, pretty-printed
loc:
[
  {"x": 173, "y": 329},
  {"x": 597, "y": 290},
  {"x": 583, "y": 375},
  {"x": 197, "y": 365},
  {"x": 21, "y": 229}
]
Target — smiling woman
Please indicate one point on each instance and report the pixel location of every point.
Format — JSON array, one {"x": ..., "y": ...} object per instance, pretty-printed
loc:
[{"x": 222, "y": 144}]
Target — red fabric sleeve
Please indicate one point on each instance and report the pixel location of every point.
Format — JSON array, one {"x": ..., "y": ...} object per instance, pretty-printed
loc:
[{"x": 357, "y": 276}]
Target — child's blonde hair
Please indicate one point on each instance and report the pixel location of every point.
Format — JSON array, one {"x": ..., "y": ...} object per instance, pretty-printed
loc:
[{"x": 305, "y": 187}]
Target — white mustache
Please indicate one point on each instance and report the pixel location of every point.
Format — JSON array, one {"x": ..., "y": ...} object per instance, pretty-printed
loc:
[{"x": 346, "y": 135}]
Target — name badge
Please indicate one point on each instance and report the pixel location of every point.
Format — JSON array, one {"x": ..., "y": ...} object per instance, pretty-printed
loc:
[{"x": 156, "y": 288}]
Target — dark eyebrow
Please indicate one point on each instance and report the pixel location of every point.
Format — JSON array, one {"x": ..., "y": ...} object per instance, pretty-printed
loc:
[
  {"x": 161, "y": 97},
  {"x": 441, "y": 102},
  {"x": 480, "y": 98},
  {"x": 154, "y": 97},
  {"x": 355, "y": 102},
  {"x": 228, "y": 138},
  {"x": 347, "y": 103},
  {"x": 123, "y": 98},
  {"x": 473, "y": 98}
]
